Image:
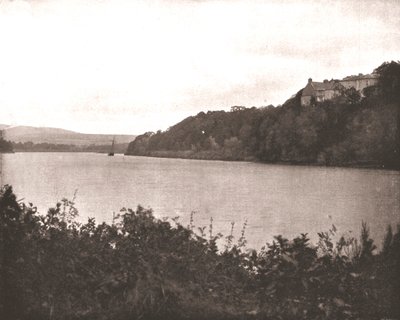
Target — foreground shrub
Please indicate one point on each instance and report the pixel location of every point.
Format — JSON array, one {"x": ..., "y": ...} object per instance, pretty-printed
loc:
[{"x": 140, "y": 267}]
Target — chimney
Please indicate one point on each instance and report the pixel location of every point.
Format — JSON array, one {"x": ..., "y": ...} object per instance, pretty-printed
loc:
[{"x": 309, "y": 80}]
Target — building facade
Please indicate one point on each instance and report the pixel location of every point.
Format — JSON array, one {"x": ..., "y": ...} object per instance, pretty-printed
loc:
[
  {"x": 320, "y": 91},
  {"x": 327, "y": 90},
  {"x": 360, "y": 82}
]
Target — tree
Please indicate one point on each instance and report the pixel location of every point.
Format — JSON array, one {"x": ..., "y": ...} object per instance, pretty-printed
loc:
[
  {"x": 352, "y": 95},
  {"x": 389, "y": 80},
  {"x": 5, "y": 146}
]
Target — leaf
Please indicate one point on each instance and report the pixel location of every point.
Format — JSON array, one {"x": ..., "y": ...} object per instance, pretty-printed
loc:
[
  {"x": 305, "y": 284},
  {"x": 355, "y": 275},
  {"x": 339, "y": 302},
  {"x": 271, "y": 286},
  {"x": 270, "y": 289},
  {"x": 289, "y": 259}
]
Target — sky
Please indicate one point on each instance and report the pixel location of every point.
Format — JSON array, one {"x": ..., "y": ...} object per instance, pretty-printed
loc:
[{"x": 127, "y": 67}]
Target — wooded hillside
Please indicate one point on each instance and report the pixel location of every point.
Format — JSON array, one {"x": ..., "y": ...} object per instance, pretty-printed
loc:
[{"x": 348, "y": 130}]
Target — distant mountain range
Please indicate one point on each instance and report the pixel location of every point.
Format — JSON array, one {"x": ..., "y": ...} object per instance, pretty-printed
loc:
[{"x": 59, "y": 136}]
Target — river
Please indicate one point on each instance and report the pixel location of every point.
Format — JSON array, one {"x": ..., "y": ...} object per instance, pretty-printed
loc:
[{"x": 274, "y": 199}]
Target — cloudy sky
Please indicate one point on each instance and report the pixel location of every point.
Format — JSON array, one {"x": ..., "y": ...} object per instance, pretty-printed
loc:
[{"x": 125, "y": 66}]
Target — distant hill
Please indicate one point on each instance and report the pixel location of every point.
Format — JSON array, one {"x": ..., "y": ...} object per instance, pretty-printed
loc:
[{"x": 59, "y": 136}]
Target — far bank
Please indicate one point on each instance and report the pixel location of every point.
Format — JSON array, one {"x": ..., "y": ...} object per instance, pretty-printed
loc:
[{"x": 350, "y": 129}]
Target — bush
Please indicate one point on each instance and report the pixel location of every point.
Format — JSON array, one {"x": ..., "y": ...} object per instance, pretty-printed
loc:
[{"x": 140, "y": 267}]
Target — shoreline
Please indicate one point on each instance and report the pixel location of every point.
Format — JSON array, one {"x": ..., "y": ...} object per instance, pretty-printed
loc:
[
  {"x": 249, "y": 160},
  {"x": 60, "y": 151},
  {"x": 286, "y": 163}
]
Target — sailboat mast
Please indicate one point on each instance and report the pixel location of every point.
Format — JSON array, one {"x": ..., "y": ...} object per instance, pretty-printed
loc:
[{"x": 111, "y": 153}]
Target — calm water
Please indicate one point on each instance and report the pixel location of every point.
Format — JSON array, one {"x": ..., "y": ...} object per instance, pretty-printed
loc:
[{"x": 274, "y": 199}]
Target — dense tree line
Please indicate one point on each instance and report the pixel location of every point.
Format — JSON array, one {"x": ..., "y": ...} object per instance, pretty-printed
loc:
[
  {"x": 139, "y": 267},
  {"x": 348, "y": 130},
  {"x": 5, "y": 146},
  {"x": 53, "y": 147}
]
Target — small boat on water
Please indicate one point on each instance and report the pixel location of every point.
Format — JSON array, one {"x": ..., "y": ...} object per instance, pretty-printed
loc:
[{"x": 111, "y": 153}]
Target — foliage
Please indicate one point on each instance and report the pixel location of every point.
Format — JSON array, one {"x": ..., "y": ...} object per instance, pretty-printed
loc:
[
  {"x": 52, "y": 147},
  {"x": 5, "y": 146},
  {"x": 346, "y": 131},
  {"x": 140, "y": 267},
  {"x": 389, "y": 85}
]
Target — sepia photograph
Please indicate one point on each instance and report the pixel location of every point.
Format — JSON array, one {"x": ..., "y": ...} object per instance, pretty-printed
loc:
[{"x": 199, "y": 159}]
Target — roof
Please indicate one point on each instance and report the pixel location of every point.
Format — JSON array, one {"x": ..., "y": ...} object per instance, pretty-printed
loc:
[
  {"x": 361, "y": 76},
  {"x": 330, "y": 85},
  {"x": 313, "y": 86}
]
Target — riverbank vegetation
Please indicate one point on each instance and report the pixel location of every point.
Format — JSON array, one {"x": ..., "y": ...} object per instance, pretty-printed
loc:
[
  {"x": 5, "y": 146},
  {"x": 349, "y": 130},
  {"x": 140, "y": 267},
  {"x": 53, "y": 147}
]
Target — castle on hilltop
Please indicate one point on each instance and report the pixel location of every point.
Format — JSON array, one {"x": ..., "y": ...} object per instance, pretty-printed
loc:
[{"x": 327, "y": 90}]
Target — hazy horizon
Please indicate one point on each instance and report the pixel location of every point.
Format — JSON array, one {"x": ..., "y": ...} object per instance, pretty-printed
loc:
[
  {"x": 127, "y": 67},
  {"x": 7, "y": 126}
]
